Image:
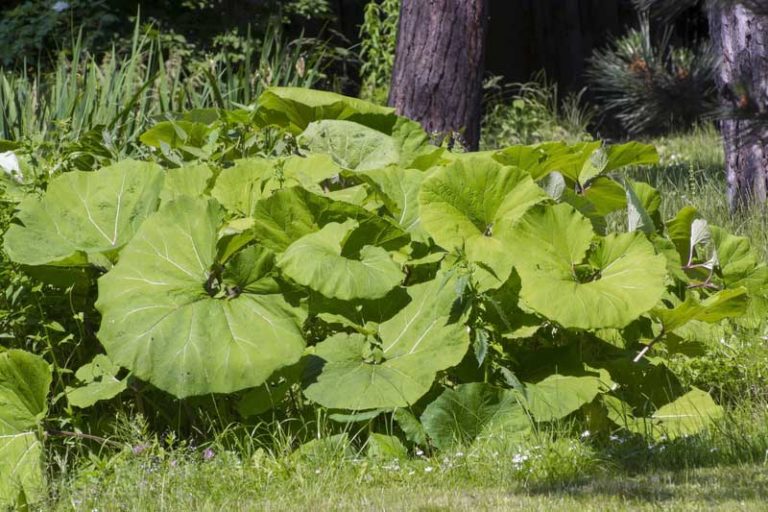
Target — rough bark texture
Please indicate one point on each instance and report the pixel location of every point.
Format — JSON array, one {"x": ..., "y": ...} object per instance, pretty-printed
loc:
[
  {"x": 438, "y": 72},
  {"x": 740, "y": 37}
]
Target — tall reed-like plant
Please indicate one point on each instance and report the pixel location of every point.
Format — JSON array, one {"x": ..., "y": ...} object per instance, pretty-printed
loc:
[{"x": 118, "y": 95}]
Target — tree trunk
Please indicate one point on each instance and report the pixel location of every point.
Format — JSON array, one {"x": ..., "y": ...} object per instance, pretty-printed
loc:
[
  {"x": 439, "y": 62},
  {"x": 740, "y": 38}
]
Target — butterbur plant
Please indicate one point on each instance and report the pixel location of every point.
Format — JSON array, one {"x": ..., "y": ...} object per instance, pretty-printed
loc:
[{"x": 373, "y": 274}]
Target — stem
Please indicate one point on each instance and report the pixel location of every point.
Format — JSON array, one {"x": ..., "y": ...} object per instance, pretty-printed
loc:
[
  {"x": 648, "y": 347},
  {"x": 79, "y": 435}
]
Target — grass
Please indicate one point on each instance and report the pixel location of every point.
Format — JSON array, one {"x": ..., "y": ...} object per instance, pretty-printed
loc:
[
  {"x": 212, "y": 486},
  {"x": 720, "y": 470}
]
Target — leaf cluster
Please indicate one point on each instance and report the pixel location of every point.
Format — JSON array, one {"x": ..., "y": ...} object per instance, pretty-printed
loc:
[{"x": 356, "y": 267}]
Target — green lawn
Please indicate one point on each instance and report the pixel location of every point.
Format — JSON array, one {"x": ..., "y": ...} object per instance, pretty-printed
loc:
[{"x": 352, "y": 486}]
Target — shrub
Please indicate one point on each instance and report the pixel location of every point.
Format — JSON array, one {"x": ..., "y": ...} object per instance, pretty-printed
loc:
[{"x": 650, "y": 86}]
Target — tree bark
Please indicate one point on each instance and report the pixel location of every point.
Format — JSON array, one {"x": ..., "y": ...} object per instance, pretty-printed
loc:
[
  {"x": 439, "y": 63},
  {"x": 740, "y": 38}
]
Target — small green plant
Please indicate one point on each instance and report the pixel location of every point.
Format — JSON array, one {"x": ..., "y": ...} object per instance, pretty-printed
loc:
[
  {"x": 649, "y": 86},
  {"x": 533, "y": 112},
  {"x": 378, "y": 39}
]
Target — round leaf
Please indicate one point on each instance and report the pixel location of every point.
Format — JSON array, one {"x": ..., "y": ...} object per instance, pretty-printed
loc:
[
  {"x": 160, "y": 320},
  {"x": 239, "y": 188},
  {"x": 295, "y": 212},
  {"x": 92, "y": 212},
  {"x": 423, "y": 338},
  {"x": 557, "y": 396},
  {"x": 351, "y": 145},
  {"x": 472, "y": 203},
  {"x": 317, "y": 261},
  {"x": 460, "y": 416},
  {"x": 621, "y": 279},
  {"x": 190, "y": 180},
  {"x": 24, "y": 382},
  {"x": 295, "y": 107}
]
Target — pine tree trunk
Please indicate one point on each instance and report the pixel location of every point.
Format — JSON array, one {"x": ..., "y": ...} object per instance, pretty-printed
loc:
[
  {"x": 439, "y": 62},
  {"x": 740, "y": 38}
]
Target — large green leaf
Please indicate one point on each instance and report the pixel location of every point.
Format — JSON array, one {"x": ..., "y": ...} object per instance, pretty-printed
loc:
[
  {"x": 643, "y": 203},
  {"x": 603, "y": 160},
  {"x": 292, "y": 213},
  {"x": 557, "y": 396},
  {"x": 24, "y": 382},
  {"x": 351, "y": 145},
  {"x": 295, "y": 108},
  {"x": 319, "y": 262},
  {"x": 730, "y": 303},
  {"x": 240, "y": 187},
  {"x": 307, "y": 171},
  {"x": 525, "y": 157},
  {"x": 461, "y": 415},
  {"x": 580, "y": 285},
  {"x": 359, "y": 148},
  {"x": 679, "y": 231},
  {"x": 399, "y": 189},
  {"x": 190, "y": 180},
  {"x": 169, "y": 318},
  {"x": 504, "y": 315},
  {"x": 630, "y": 153},
  {"x": 738, "y": 262},
  {"x": 571, "y": 160},
  {"x": 472, "y": 203},
  {"x": 89, "y": 212},
  {"x": 687, "y": 415},
  {"x": 606, "y": 195},
  {"x": 395, "y": 369},
  {"x": 358, "y": 313}
]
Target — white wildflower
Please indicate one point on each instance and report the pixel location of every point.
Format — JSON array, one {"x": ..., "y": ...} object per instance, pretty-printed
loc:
[
  {"x": 60, "y": 6},
  {"x": 428, "y": 469},
  {"x": 9, "y": 163},
  {"x": 586, "y": 434},
  {"x": 519, "y": 458}
]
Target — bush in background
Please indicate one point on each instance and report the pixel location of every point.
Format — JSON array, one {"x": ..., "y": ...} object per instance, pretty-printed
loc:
[
  {"x": 35, "y": 26},
  {"x": 34, "y": 31},
  {"x": 651, "y": 86}
]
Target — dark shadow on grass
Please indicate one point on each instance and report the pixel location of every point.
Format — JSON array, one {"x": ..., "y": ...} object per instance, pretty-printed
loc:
[{"x": 716, "y": 485}]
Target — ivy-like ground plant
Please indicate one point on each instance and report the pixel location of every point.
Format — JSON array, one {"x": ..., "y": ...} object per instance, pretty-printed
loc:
[{"x": 356, "y": 264}]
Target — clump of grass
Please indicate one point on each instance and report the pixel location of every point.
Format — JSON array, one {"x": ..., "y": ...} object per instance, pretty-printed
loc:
[{"x": 548, "y": 469}]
